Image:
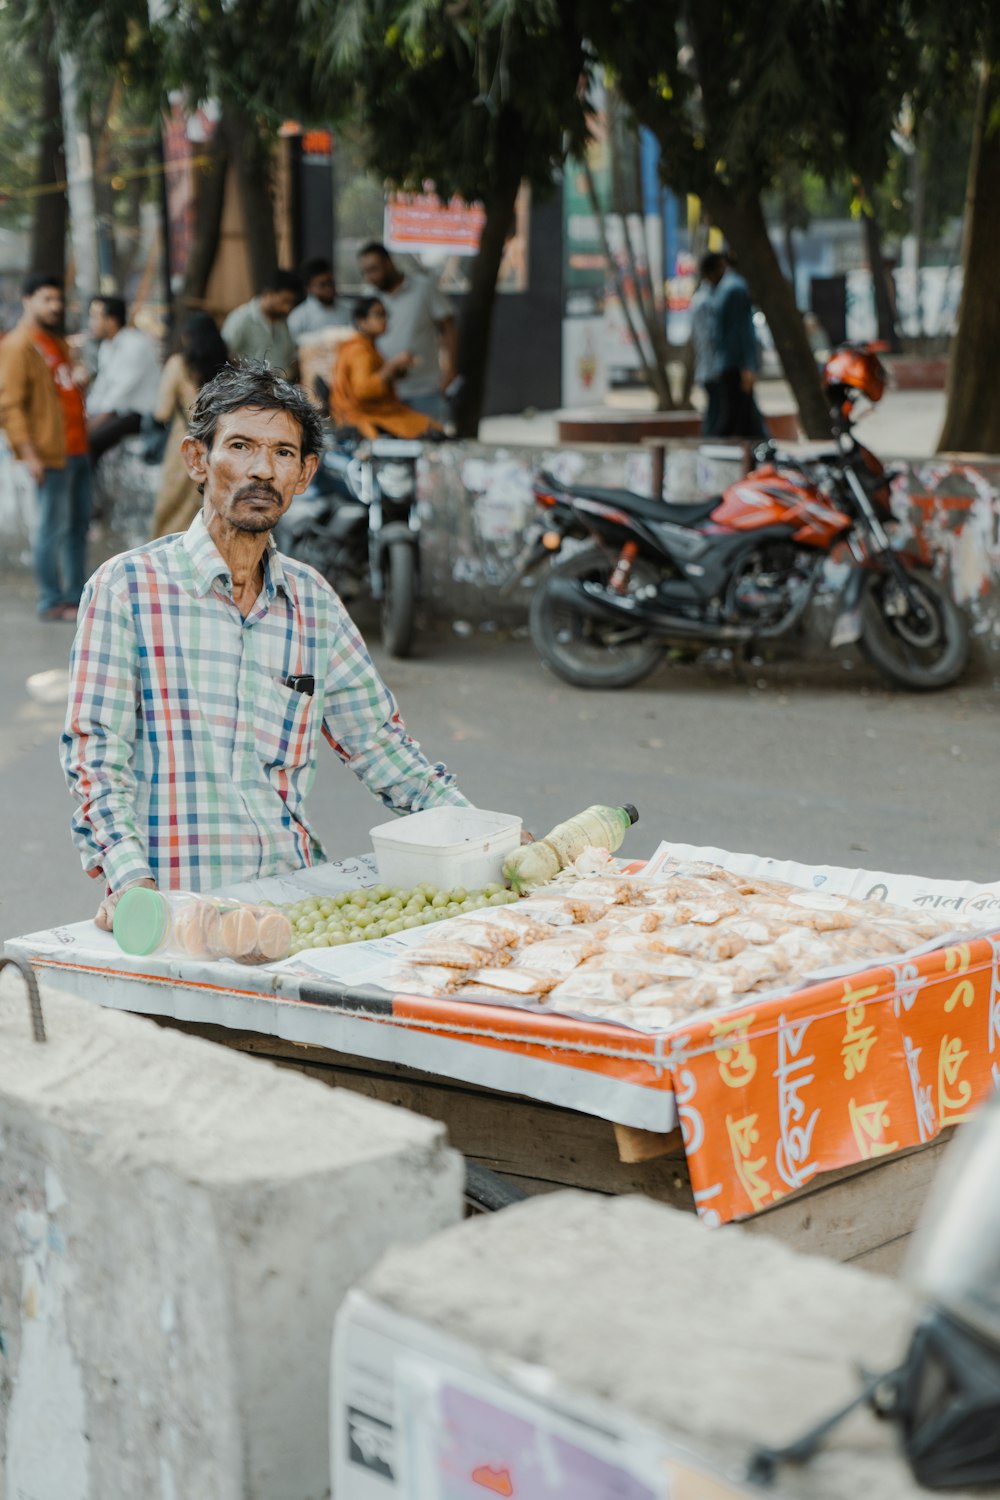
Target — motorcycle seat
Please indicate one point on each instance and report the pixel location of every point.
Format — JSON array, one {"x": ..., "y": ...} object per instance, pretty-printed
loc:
[{"x": 647, "y": 506}]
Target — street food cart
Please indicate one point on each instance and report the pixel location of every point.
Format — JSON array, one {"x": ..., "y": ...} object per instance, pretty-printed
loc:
[{"x": 818, "y": 1114}]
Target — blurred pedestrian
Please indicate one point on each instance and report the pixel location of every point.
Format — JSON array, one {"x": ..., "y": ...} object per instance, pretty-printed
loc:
[
  {"x": 705, "y": 342},
  {"x": 43, "y": 415},
  {"x": 127, "y": 379},
  {"x": 259, "y": 329},
  {"x": 739, "y": 357},
  {"x": 363, "y": 392},
  {"x": 320, "y": 309},
  {"x": 202, "y": 355},
  {"x": 421, "y": 323}
]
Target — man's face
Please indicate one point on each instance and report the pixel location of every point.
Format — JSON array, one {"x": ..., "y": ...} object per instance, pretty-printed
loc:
[
  {"x": 45, "y": 306},
  {"x": 101, "y": 327},
  {"x": 323, "y": 289},
  {"x": 254, "y": 468},
  {"x": 277, "y": 305},
  {"x": 378, "y": 270}
]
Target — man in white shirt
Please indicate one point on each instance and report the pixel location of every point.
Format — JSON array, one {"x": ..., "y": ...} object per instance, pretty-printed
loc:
[
  {"x": 320, "y": 310},
  {"x": 125, "y": 387},
  {"x": 421, "y": 323}
]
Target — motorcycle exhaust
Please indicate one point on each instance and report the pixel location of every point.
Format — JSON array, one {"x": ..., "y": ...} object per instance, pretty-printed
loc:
[{"x": 598, "y": 603}]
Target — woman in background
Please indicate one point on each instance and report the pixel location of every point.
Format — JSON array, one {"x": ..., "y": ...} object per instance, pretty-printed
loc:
[{"x": 202, "y": 355}]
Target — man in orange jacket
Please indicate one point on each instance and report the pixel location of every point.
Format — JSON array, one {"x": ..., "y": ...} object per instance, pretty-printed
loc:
[{"x": 42, "y": 414}]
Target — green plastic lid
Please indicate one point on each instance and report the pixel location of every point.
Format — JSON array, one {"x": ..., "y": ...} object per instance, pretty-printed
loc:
[{"x": 141, "y": 920}]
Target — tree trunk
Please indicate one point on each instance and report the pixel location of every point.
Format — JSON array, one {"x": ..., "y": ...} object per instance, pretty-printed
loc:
[
  {"x": 918, "y": 198},
  {"x": 972, "y": 419},
  {"x": 80, "y": 181},
  {"x": 476, "y": 323},
  {"x": 741, "y": 219},
  {"x": 209, "y": 199},
  {"x": 251, "y": 153},
  {"x": 617, "y": 275},
  {"x": 49, "y": 217},
  {"x": 885, "y": 302},
  {"x": 624, "y": 149}
]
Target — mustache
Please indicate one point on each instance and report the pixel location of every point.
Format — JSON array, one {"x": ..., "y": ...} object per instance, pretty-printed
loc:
[{"x": 262, "y": 491}]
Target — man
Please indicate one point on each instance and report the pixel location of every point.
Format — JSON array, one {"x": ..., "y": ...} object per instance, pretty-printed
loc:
[
  {"x": 128, "y": 377},
  {"x": 206, "y": 666},
  {"x": 320, "y": 310},
  {"x": 704, "y": 340},
  {"x": 259, "y": 329},
  {"x": 739, "y": 358},
  {"x": 42, "y": 413},
  {"x": 421, "y": 324}
]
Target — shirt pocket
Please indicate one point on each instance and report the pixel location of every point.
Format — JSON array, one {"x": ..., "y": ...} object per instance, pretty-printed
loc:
[{"x": 286, "y": 726}]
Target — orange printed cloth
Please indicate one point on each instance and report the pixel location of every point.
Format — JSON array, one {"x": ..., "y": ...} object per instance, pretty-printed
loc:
[{"x": 770, "y": 1095}]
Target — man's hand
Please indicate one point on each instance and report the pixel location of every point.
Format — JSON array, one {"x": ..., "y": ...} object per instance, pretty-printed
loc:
[
  {"x": 747, "y": 380},
  {"x": 33, "y": 464},
  {"x": 106, "y": 911}
]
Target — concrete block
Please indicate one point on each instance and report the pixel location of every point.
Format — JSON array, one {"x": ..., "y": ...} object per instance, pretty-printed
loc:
[
  {"x": 178, "y": 1225},
  {"x": 717, "y": 1342}
]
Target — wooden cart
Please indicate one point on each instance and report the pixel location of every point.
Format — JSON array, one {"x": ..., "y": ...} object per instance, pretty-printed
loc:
[{"x": 547, "y": 1102}]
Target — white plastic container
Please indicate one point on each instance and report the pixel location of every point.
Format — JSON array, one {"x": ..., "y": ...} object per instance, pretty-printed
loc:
[{"x": 445, "y": 847}]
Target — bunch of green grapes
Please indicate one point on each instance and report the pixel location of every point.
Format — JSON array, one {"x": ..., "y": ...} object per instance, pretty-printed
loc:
[{"x": 376, "y": 911}]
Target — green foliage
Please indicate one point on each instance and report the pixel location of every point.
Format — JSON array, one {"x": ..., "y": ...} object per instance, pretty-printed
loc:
[
  {"x": 448, "y": 93},
  {"x": 20, "y": 83}
]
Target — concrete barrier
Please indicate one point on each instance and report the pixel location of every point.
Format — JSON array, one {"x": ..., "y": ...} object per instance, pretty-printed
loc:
[
  {"x": 178, "y": 1225},
  {"x": 476, "y": 500},
  {"x": 616, "y": 1311}
]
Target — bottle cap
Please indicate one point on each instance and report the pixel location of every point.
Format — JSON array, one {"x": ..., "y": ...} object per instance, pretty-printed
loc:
[
  {"x": 140, "y": 921},
  {"x": 633, "y": 812}
]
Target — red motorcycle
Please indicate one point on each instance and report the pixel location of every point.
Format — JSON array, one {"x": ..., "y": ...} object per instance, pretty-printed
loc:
[{"x": 631, "y": 575}]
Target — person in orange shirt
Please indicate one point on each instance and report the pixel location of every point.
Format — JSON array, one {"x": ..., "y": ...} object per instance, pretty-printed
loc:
[
  {"x": 42, "y": 414},
  {"x": 362, "y": 392}
]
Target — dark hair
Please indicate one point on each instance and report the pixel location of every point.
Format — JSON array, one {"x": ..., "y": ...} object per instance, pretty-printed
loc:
[
  {"x": 202, "y": 347},
  {"x": 313, "y": 268},
  {"x": 374, "y": 247},
  {"x": 257, "y": 386},
  {"x": 114, "y": 307},
  {"x": 711, "y": 263},
  {"x": 37, "y": 279},
  {"x": 363, "y": 307},
  {"x": 282, "y": 281}
]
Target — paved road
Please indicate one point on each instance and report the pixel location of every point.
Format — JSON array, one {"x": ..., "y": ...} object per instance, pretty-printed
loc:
[{"x": 818, "y": 764}]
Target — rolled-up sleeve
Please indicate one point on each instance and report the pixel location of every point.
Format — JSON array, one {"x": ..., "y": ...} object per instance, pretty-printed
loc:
[
  {"x": 98, "y": 742},
  {"x": 363, "y": 724}
]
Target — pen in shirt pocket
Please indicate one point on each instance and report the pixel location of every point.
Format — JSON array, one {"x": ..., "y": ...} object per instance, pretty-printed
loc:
[{"x": 304, "y": 683}]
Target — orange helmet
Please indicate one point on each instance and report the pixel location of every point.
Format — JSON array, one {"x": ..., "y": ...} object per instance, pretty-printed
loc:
[{"x": 854, "y": 370}]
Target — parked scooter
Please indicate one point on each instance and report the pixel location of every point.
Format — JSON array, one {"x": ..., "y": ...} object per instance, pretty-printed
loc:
[
  {"x": 357, "y": 524},
  {"x": 741, "y": 568}
]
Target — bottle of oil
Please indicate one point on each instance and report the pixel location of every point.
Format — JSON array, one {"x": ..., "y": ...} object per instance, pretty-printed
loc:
[{"x": 598, "y": 827}]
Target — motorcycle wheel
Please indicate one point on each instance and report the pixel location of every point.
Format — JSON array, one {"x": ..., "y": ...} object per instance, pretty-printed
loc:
[
  {"x": 399, "y": 599},
  {"x": 591, "y": 653},
  {"x": 919, "y": 655}
]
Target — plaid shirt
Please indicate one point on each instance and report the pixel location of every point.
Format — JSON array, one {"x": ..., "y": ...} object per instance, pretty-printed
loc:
[{"x": 188, "y": 754}]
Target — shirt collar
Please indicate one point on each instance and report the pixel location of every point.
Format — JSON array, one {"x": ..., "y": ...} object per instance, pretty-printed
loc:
[{"x": 208, "y": 564}]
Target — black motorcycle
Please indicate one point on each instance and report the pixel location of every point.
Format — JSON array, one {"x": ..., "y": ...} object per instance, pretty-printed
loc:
[{"x": 358, "y": 525}]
